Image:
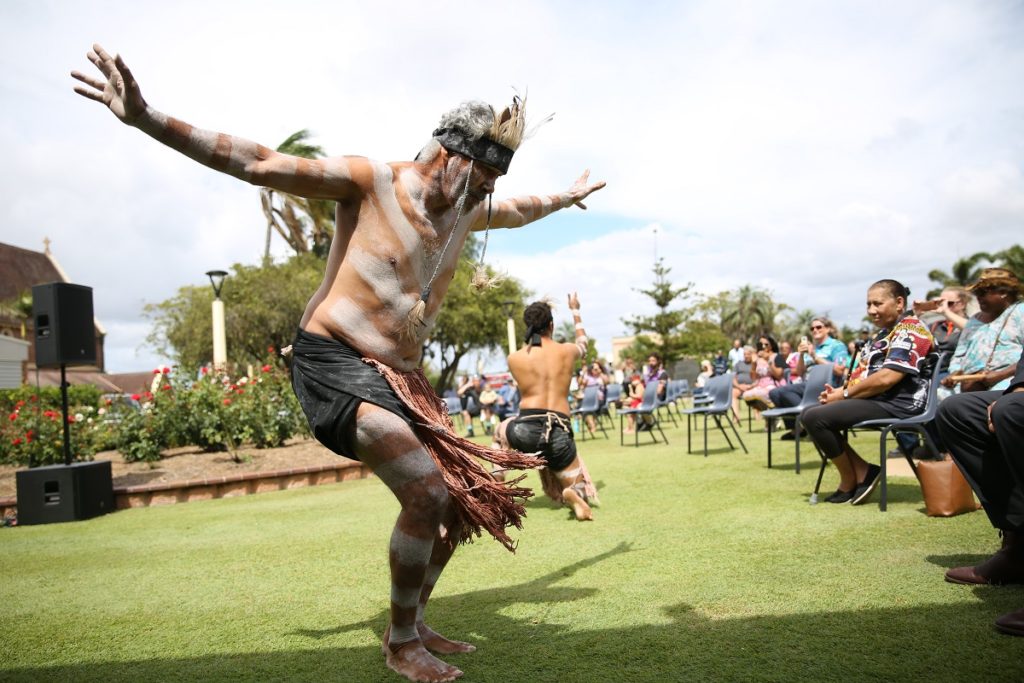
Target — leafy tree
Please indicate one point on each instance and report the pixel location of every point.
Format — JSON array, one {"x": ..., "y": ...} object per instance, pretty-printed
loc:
[
  {"x": 964, "y": 272},
  {"x": 18, "y": 309},
  {"x": 471, "y": 319},
  {"x": 262, "y": 306},
  {"x": 795, "y": 324},
  {"x": 666, "y": 323},
  {"x": 305, "y": 224}
]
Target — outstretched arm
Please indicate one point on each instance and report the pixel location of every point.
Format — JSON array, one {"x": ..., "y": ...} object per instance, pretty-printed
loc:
[
  {"x": 518, "y": 211},
  {"x": 581, "y": 334},
  {"x": 119, "y": 91}
]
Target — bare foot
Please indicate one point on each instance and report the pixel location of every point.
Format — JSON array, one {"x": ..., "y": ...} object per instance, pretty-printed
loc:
[
  {"x": 435, "y": 642},
  {"x": 579, "y": 506},
  {"x": 413, "y": 661}
]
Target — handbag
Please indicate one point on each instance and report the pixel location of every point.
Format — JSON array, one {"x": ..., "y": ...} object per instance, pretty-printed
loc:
[{"x": 946, "y": 492}]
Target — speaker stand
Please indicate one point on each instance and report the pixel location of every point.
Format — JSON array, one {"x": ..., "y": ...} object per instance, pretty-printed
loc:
[{"x": 64, "y": 409}]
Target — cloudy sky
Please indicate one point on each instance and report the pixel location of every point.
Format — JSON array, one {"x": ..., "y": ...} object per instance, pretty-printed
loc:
[{"x": 809, "y": 148}]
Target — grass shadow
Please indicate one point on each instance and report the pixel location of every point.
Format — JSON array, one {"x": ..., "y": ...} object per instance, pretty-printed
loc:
[{"x": 685, "y": 644}]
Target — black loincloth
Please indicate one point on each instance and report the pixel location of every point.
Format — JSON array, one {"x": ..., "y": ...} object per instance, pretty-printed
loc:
[{"x": 330, "y": 380}]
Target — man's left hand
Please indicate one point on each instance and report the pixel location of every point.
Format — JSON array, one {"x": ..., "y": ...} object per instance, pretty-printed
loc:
[{"x": 580, "y": 190}]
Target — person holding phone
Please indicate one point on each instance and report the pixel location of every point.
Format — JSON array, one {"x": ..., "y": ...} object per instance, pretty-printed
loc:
[{"x": 822, "y": 347}]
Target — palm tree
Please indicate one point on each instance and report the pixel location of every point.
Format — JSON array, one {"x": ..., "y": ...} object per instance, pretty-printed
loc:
[
  {"x": 1011, "y": 258},
  {"x": 749, "y": 311},
  {"x": 964, "y": 272},
  {"x": 291, "y": 215},
  {"x": 18, "y": 308}
]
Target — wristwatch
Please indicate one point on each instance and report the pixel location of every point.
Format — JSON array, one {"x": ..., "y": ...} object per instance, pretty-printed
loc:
[{"x": 846, "y": 393}]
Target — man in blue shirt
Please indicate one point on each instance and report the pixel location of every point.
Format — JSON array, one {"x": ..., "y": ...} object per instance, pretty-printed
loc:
[{"x": 822, "y": 347}]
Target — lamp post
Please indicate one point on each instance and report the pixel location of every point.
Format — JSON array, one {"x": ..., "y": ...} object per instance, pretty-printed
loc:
[
  {"x": 509, "y": 307},
  {"x": 220, "y": 344}
]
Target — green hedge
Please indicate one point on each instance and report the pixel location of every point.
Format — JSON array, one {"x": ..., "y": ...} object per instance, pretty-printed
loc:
[{"x": 209, "y": 410}]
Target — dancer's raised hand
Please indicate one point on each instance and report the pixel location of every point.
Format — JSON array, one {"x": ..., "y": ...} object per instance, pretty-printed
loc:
[{"x": 118, "y": 91}]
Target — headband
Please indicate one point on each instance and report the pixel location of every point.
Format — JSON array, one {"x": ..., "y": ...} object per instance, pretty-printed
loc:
[{"x": 484, "y": 150}]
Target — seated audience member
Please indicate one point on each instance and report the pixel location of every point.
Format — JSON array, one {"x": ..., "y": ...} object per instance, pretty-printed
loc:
[
  {"x": 742, "y": 379},
  {"x": 655, "y": 371},
  {"x": 508, "y": 394},
  {"x": 887, "y": 383},
  {"x": 993, "y": 338},
  {"x": 468, "y": 389},
  {"x": 952, "y": 306},
  {"x": 720, "y": 363},
  {"x": 628, "y": 370},
  {"x": 769, "y": 368},
  {"x": 706, "y": 373},
  {"x": 488, "y": 398},
  {"x": 984, "y": 431},
  {"x": 791, "y": 357},
  {"x": 593, "y": 375},
  {"x": 822, "y": 347},
  {"x": 634, "y": 397}
]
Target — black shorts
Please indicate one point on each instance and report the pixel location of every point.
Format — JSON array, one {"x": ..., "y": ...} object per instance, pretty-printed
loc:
[
  {"x": 330, "y": 380},
  {"x": 552, "y": 438}
]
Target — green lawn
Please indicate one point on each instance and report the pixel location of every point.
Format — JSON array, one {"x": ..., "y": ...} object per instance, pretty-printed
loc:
[{"x": 700, "y": 569}]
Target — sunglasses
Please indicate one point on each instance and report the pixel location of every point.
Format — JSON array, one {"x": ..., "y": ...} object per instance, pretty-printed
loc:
[
  {"x": 982, "y": 291},
  {"x": 817, "y": 327}
]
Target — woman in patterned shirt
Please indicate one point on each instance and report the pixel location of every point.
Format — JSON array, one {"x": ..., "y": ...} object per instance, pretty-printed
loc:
[{"x": 888, "y": 382}]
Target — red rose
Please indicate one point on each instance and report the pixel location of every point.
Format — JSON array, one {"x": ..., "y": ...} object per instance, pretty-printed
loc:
[
  {"x": 266, "y": 368},
  {"x": 13, "y": 416},
  {"x": 227, "y": 401},
  {"x": 71, "y": 419},
  {"x": 16, "y": 442},
  {"x": 136, "y": 397}
]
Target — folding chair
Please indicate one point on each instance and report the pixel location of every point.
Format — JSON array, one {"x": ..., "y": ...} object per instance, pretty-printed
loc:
[
  {"x": 454, "y": 407},
  {"x": 613, "y": 394},
  {"x": 590, "y": 405},
  {"x": 648, "y": 406},
  {"x": 671, "y": 394},
  {"x": 720, "y": 390},
  {"x": 914, "y": 423},
  {"x": 814, "y": 384}
]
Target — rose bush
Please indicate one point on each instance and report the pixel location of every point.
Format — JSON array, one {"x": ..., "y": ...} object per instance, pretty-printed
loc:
[{"x": 207, "y": 409}]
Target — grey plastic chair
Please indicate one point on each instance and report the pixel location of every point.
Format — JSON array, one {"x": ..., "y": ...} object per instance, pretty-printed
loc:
[
  {"x": 648, "y": 406},
  {"x": 817, "y": 378},
  {"x": 590, "y": 405},
  {"x": 719, "y": 389}
]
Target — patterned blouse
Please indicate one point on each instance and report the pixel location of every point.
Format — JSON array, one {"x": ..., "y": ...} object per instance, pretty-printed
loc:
[
  {"x": 904, "y": 349},
  {"x": 1004, "y": 335}
]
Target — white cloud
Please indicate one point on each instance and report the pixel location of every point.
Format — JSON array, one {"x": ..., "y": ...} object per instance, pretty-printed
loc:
[{"x": 810, "y": 148}]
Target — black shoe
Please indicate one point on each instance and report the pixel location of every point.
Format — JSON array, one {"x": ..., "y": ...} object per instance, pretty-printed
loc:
[
  {"x": 788, "y": 436},
  {"x": 864, "y": 489},
  {"x": 840, "y": 497}
]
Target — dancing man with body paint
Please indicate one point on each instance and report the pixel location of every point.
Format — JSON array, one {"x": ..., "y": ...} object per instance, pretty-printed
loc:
[
  {"x": 399, "y": 229},
  {"x": 543, "y": 369}
]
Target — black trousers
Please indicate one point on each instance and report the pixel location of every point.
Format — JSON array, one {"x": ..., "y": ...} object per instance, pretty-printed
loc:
[
  {"x": 993, "y": 464},
  {"x": 787, "y": 396},
  {"x": 826, "y": 423}
]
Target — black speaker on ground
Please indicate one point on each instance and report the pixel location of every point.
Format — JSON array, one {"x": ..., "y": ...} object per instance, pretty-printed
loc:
[
  {"x": 65, "y": 331},
  {"x": 64, "y": 493}
]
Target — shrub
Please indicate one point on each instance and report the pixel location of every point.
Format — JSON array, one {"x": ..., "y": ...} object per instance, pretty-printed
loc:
[{"x": 32, "y": 431}]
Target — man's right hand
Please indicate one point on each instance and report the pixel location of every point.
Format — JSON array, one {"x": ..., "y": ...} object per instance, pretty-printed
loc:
[
  {"x": 119, "y": 92},
  {"x": 574, "y": 302}
]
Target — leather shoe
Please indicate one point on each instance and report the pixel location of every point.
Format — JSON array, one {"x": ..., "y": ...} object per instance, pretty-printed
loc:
[
  {"x": 1012, "y": 623},
  {"x": 864, "y": 489},
  {"x": 1005, "y": 566}
]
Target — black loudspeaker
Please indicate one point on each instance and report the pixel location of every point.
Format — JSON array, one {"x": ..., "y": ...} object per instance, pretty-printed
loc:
[
  {"x": 64, "y": 493},
  {"x": 65, "y": 331}
]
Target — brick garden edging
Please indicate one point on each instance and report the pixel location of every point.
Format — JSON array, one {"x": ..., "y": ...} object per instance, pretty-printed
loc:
[{"x": 224, "y": 487}]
